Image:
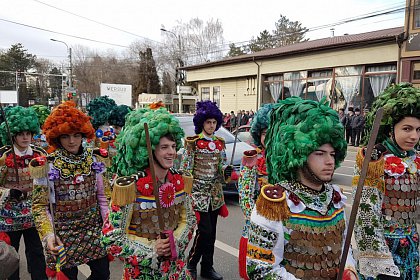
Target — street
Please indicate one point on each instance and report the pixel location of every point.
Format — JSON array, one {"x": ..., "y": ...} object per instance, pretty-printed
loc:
[{"x": 228, "y": 232}]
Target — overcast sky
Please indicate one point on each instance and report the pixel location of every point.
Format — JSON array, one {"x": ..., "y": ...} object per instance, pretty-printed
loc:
[{"x": 241, "y": 19}]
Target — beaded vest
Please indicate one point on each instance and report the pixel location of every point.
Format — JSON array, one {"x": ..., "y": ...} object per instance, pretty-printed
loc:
[{"x": 206, "y": 159}]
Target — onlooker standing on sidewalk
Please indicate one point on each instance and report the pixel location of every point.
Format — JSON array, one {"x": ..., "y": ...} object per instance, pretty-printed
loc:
[
  {"x": 244, "y": 118},
  {"x": 357, "y": 124},
  {"x": 342, "y": 117},
  {"x": 226, "y": 121},
  {"x": 349, "y": 117},
  {"x": 233, "y": 120}
]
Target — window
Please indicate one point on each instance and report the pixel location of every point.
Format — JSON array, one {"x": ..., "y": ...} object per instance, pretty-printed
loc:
[
  {"x": 205, "y": 93},
  {"x": 416, "y": 14},
  {"x": 216, "y": 95},
  {"x": 416, "y": 71}
]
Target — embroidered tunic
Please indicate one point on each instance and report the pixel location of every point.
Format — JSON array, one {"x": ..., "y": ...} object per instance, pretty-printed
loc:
[
  {"x": 297, "y": 233},
  {"x": 131, "y": 230},
  {"x": 204, "y": 158},
  {"x": 253, "y": 175},
  {"x": 385, "y": 229},
  {"x": 74, "y": 184},
  {"x": 16, "y": 214}
]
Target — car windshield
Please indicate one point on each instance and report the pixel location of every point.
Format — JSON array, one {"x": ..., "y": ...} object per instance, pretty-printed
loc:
[{"x": 188, "y": 126}]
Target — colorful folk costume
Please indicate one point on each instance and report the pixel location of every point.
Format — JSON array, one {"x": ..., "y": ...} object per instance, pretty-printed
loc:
[
  {"x": 72, "y": 183},
  {"x": 16, "y": 193},
  {"x": 297, "y": 232},
  {"x": 253, "y": 175},
  {"x": 204, "y": 158},
  {"x": 42, "y": 112},
  {"x": 99, "y": 109},
  {"x": 131, "y": 230},
  {"x": 385, "y": 229}
]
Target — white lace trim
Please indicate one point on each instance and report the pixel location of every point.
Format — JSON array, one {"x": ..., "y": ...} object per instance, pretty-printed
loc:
[{"x": 372, "y": 267}]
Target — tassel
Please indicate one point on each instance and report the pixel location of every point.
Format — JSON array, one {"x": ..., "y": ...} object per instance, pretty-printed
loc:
[
  {"x": 5, "y": 237},
  {"x": 38, "y": 171},
  {"x": 274, "y": 209},
  {"x": 223, "y": 211},
  {"x": 123, "y": 194},
  {"x": 51, "y": 273},
  {"x": 188, "y": 182},
  {"x": 243, "y": 242},
  {"x": 61, "y": 276},
  {"x": 375, "y": 169},
  {"x": 61, "y": 260},
  {"x": 197, "y": 217},
  {"x": 110, "y": 258},
  {"x": 234, "y": 176}
]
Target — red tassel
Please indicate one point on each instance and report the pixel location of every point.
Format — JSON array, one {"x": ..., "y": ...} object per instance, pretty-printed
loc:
[
  {"x": 243, "y": 242},
  {"x": 5, "y": 237},
  {"x": 197, "y": 216},
  {"x": 347, "y": 274},
  {"x": 50, "y": 272},
  {"x": 234, "y": 176},
  {"x": 61, "y": 276},
  {"x": 223, "y": 211},
  {"x": 110, "y": 258}
]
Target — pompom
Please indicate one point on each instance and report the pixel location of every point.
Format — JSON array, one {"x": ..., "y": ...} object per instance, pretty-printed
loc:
[
  {"x": 297, "y": 128},
  {"x": 100, "y": 109},
  {"x": 66, "y": 119},
  {"x": 260, "y": 122},
  {"x": 131, "y": 146},
  {"x": 206, "y": 110},
  {"x": 42, "y": 112},
  {"x": 19, "y": 119},
  {"x": 118, "y": 115}
]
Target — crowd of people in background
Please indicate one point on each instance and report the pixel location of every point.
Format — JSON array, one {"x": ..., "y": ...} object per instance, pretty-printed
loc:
[{"x": 242, "y": 117}]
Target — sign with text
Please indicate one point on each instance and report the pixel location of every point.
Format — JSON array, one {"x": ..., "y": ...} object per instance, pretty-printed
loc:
[
  {"x": 8, "y": 97},
  {"x": 148, "y": 98},
  {"x": 119, "y": 92}
]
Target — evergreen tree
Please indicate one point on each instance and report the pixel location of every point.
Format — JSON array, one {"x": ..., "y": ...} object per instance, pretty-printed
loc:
[
  {"x": 288, "y": 32},
  {"x": 264, "y": 41},
  {"x": 235, "y": 50}
]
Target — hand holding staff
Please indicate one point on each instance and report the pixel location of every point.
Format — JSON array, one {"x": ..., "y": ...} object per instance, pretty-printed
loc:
[{"x": 358, "y": 195}]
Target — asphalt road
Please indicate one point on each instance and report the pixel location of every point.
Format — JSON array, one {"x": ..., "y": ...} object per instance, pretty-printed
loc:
[{"x": 229, "y": 231}]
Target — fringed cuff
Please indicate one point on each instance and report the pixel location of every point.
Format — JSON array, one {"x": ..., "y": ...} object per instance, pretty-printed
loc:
[{"x": 124, "y": 191}]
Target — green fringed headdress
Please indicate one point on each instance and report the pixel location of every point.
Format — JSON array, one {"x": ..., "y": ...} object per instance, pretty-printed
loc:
[
  {"x": 132, "y": 153},
  {"x": 297, "y": 128},
  {"x": 19, "y": 119},
  {"x": 398, "y": 101},
  {"x": 99, "y": 109},
  {"x": 42, "y": 112},
  {"x": 260, "y": 122},
  {"x": 117, "y": 116}
]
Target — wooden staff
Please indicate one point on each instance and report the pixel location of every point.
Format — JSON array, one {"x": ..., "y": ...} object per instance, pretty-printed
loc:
[
  {"x": 154, "y": 183},
  {"x": 11, "y": 142},
  {"x": 359, "y": 189}
]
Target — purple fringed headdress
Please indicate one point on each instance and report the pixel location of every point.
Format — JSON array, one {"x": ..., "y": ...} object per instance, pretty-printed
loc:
[{"x": 206, "y": 110}]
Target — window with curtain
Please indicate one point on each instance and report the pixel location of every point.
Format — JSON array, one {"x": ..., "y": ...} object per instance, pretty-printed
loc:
[
  {"x": 416, "y": 70},
  {"x": 319, "y": 84},
  {"x": 205, "y": 93},
  {"x": 294, "y": 83},
  {"x": 216, "y": 95},
  {"x": 347, "y": 87},
  {"x": 273, "y": 86}
]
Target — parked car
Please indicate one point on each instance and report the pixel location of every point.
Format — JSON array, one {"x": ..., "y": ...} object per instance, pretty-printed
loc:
[
  {"x": 187, "y": 124},
  {"x": 244, "y": 134}
]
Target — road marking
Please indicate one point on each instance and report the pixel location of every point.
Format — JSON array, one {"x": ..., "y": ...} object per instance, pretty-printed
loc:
[
  {"x": 350, "y": 167},
  {"x": 349, "y": 160},
  {"x": 346, "y": 175},
  {"x": 227, "y": 248}
]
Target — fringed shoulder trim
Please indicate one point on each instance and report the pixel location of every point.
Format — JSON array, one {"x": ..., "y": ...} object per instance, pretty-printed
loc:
[
  {"x": 190, "y": 142},
  {"x": 271, "y": 203},
  {"x": 124, "y": 189},
  {"x": 38, "y": 167}
]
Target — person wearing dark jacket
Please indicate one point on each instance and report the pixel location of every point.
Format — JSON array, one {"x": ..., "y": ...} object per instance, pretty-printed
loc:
[
  {"x": 357, "y": 124},
  {"x": 349, "y": 117}
]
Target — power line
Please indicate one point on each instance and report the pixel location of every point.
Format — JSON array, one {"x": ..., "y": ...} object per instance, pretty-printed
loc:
[
  {"x": 64, "y": 34},
  {"x": 95, "y": 21}
]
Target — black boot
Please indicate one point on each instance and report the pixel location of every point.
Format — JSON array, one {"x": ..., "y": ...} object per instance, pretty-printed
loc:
[
  {"x": 193, "y": 271},
  {"x": 211, "y": 274}
]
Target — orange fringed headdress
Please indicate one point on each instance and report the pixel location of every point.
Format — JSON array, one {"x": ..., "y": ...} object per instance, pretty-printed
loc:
[
  {"x": 66, "y": 119},
  {"x": 156, "y": 105}
]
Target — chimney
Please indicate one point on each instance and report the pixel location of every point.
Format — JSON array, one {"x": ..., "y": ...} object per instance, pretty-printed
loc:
[{"x": 332, "y": 32}]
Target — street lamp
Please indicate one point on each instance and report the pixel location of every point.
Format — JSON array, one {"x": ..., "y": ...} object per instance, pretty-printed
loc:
[
  {"x": 70, "y": 62},
  {"x": 180, "y": 64}
]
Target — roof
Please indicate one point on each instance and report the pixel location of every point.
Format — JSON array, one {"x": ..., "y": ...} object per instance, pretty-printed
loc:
[{"x": 337, "y": 42}]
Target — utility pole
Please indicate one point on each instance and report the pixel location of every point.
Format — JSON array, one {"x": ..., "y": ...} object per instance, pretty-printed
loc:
[
  {"x": 180, "y": 63},
  {"x": 70, "y": 78}
]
